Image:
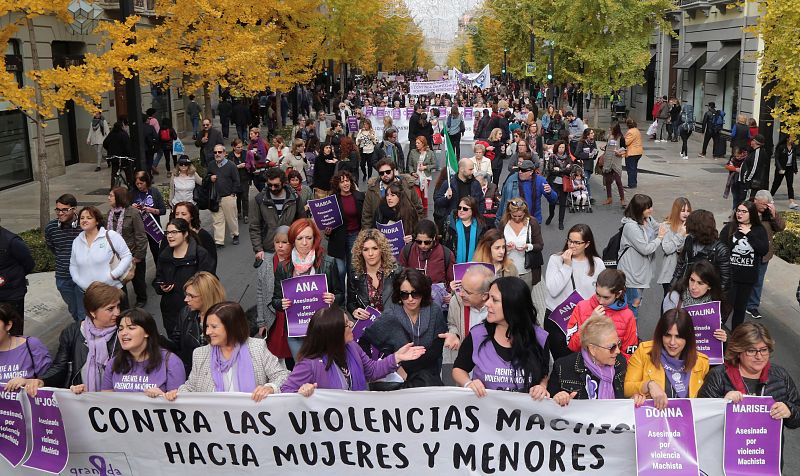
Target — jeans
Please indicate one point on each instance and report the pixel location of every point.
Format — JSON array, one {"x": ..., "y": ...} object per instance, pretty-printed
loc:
[
  {"x": 72, "y": 296},
  {"x": 738, "y": 193},
  {"x": 294, "y": 345},
  {"x": 241, "y": 131},
  {"x": 611, "y": 178},
  {"x": 195, "y": 127},
  {"x": 138, "y": 282},
  {"x": 455, "y": 139},
  {"x": 341, "y": 267},
  {"x": 587, "y": 174},
  {"x": 758, "y": 286},
  {"x": 685, "y": 141},
  {"x": 632, "y": 167},
  {"x": 776, "y": 182},
  {"x": 162, "y": 153},
  {"x": 634, "y": 297},
  {"x": 562, "y": 203}
]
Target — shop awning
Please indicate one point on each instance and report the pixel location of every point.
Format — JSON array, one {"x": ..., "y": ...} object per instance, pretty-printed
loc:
[
  {"x": 721, "y": 58},
  {"x": 690, "y": 58}
]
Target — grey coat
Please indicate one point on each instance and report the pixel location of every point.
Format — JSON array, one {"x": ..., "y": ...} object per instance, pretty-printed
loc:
[
  {"x": 637, "y": 262},
  {"x": 671, "y": 244},
  {"x": 268, "y": 369}
]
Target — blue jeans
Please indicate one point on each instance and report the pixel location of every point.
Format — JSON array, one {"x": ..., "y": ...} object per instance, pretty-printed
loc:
[
  {"x": 758, "y": 286},
  {"x": 632, "y": 295},
  {"x": 195, "y": 127},
  {"x": 73, "y": 296},
  {"x": 587, "y": 174},
  {"x": 341, "y": 266},
  {"x": 632, "y": 167}
]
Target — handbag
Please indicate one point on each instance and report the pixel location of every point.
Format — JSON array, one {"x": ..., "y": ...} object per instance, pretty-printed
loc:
[
  {"x": 533, "y": 259},
  {"x": 437, "y": 138},
  {"x": 115, "y": 260},
  {"x": 566, "y": 184}
]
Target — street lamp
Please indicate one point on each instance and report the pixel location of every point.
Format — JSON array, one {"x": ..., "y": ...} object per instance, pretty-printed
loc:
[{"x": 505, "y": 76}]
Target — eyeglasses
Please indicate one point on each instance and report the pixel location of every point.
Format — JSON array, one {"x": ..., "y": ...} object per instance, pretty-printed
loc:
[
  {"x": 423, "y": 242},
  {"x": 576, "y": 243},
  {"x": 765, "y": 351},
  {"x": 385, "y": 172},
  {"x": 172, "y": 232},
  {"x": 219, "y": 152},
  {"x": 349, "y": 324},
  {"x": 613, "y": 348},
  {"x": 63, "y": 210},
  {"x": 404, "y": 295},
  {"x": 191, "y": 296},
  {"x": 464, "y": 209},
  {"x": 466, "y": 291}
]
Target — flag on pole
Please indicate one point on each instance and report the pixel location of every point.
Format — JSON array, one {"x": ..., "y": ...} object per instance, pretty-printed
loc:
[{"x": 450, "y": 157}]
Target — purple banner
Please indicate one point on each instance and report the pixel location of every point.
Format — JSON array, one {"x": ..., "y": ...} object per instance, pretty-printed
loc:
[
  {"x": 361, "y": 326},
  {"x": 395, "y": 234},
  {"x": 563, "y": 311},
  {"x": 152, "y": 227},
  {"x": 305, "y": 292},
  {"x": 13, "y": 432},
  {"x": 50, "y": 451},
  {"x": 461, "y": 268},
  {"x": 665, "y": 439},
  {"x": 707, "y": 318},
  {"x": 439, "y": 294},
  {"x": 380, "y": 112},
  {"x": 467, "y": 113},
  {"x": 752, "y": 445},
  {"x": 352, "y": 123},
  {"x": 396, "y": 114},
  {"x": 326, "y": 212}
]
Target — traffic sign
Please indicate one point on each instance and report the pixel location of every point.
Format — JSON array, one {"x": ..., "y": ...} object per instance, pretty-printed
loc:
[{"x": 529, "y": 68}]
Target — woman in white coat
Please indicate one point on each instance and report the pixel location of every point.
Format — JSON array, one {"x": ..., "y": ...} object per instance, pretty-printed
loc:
[{"x": 98, "y": 130}]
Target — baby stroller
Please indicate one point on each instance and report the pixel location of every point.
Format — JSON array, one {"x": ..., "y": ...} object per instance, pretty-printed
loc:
[{"x": 578, "y": 198}]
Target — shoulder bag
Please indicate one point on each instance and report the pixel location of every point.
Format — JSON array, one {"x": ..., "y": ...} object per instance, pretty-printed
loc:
[{"x": 115, "y": 260}]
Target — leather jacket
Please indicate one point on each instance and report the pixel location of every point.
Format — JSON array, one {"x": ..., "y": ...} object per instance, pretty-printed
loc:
[
  {"x": 187, "y": 336},
  {"x": 358, "y": 292},
  {"x": 71, "y": 357},
  {"x": 717, "y": 253}
]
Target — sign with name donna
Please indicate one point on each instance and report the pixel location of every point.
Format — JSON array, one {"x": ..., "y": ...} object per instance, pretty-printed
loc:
[
  {"x": 305, "y": 292},
  {"x": 426, "y": 431},
  {"x": 665, "y": 442}
]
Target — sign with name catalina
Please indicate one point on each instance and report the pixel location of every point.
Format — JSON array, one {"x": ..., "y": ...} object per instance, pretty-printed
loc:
[{"x": 706, "y": 319}]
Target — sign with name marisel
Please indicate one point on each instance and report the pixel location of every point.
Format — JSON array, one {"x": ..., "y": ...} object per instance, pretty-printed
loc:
[
  {"x": 326, "y": 212},
  {"x": 305, "y": 292},
  {"x": 752, "y": 438},
  {"x": 706, "y": 319},
  {"x": 425, "y": 431}
]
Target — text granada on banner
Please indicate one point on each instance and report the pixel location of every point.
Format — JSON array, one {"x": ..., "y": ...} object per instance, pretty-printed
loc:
[{"x": 427, "y": 431}]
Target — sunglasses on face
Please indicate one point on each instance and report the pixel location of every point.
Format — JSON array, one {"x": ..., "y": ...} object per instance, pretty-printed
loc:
[
  {"x": 405, "y": 295},
  {"x": 613, "y": 348},
  {"x": 464, "y": 209},
  {"x": 524, "y": 171},
  {"x": 274, "y": 186},
  {"x": 385, "y": 172},
  {"x": 219, "y": 151},
  {"x": 423, "y": 242}
]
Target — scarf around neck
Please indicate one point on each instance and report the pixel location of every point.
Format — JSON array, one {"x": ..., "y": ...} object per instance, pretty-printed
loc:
[
  {"x": 244, "y": 378},
  {"x": 114, "y": 212},
  {"x": 97, "y": 357},
  {"x": 354, "y": 366},
  {"x": 604, "y": 372},
  {"x": 738, "y": 382},
  {"x": 676, "y": 373},
  {"x": 303, "y": 265},
  {"x": 462, "y": 254}
]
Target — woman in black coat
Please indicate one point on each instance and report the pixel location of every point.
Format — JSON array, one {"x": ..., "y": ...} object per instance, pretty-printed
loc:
[
  {"x": 786, "y": 156},
  {"x": 342, "y": 238},
  {"x": 176, "y": 264}
]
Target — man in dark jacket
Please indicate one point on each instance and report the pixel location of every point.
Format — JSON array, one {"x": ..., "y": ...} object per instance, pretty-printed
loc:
[
  {"x": 278, "y": 204},
  {"x": 461, "y": 184},
  {"x": 225, "y": 110},
  {"x": 772, "y": 223},
  {"x": 240, "y": 115},
  {"x": 225, "y": 176},
  {"x": 708, "y": 129},
  {"x": 786, "y": 155},
  {"x": 387, "y": 173},
  {"x": 15, "y": 263},
  {"x": 413, "y": 124},
  {"x": 207, "y": 140}
]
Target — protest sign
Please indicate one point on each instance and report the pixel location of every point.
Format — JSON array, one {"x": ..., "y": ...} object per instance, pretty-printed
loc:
[
  {"x": 352, "y": 124},
  {"x": 152, "y": 227},
  {"x": 752, "y": 438},
  {"x": 395, "y": 234},
  {"x": 561, "y": 314},
  {"x": 665, "y": 440},
  {"x": 13, "y": 432},
  {"x": 326, "y": 212},
  {"x": 49, "y": 450},
  {"x": 425, "y": 431},
  {"x": 305, "y": 292},
  {"x": 421, "y": 88},
  {"x": 361, "y": 326},
  {"x": 460, "y": 268},
  {"x": 706, "y": 319}
]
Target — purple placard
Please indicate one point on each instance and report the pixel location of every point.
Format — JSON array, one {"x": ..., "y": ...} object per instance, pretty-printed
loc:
[
  {"x": 396, "y": 114},
  {"x": 305, "y": 292},
  {"x": 152, "y": 227},
  {"x": 368, "y": 111},
  {"x": 665, "y": 439},
  {"x": 380, "y": 112},
  {"x": 13, "y": 432},
  {"x": 752, "y": 445},
  {"x": 352, "y": 123},
  {"x": 326, "y": 212},
  {"x": 706, "y": 319},
  {"x": 361, "y": 326},
  {"x": 461, "y": 268},
  {"x": 467, "y": 113},
  {"x": 50, "y": 451},
  {"x": 409, "y": 112},
  {"x": 561, "y": 314},
  {"x": 395, "y": 234}
]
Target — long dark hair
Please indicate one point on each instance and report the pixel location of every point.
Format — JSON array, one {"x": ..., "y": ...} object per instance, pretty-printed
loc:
[
  {"x": 325, "y": 337},
  {"x": 637, "y": 206},
  {"x": 405, "y": 209},
  {"x": 194, "y": 212},
  {"x": 708, "y": 274},
  {"x": 124, "y": 361},
  {"x": 680, "y": 318},
  {"x": 587, "y": 236},
  {"x": 527, "y": 356},
  {"x": 183, "y": 226}
]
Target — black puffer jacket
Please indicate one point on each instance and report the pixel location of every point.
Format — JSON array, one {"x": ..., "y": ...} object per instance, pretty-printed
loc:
[
  {"x": 188, "y": 335},
  {"x": 71, "y": 357},
  {"x": 780, "y": 387},
  {"x": 177, "y": 271},
  {"x": 569, "y": 374},
  {"x": 717, "y": 253}
]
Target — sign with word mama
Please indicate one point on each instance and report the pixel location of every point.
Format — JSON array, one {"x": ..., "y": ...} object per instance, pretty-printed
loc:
[{"x": 326, "y": 212}]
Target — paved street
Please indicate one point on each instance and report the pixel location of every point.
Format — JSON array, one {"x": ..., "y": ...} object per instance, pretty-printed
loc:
[{"x": 663, "y": 176}]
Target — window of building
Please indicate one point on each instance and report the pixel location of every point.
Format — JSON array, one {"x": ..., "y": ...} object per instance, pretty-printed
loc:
[
  {"x": 15, "y": 154},
  {"x": 729, "y": 77}
]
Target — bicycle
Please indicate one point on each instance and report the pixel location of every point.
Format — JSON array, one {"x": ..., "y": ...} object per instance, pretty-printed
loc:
[{"x": 121, "y": 173}]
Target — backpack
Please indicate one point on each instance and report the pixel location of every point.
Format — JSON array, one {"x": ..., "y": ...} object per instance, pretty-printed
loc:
[
  {"x": 718, "y": 120},
  {"x": 611, "y": 254},
  {"x": 164, "y": 135},
  {"x": 407, "y": 252},
  {"x": 687, "y": 117}
]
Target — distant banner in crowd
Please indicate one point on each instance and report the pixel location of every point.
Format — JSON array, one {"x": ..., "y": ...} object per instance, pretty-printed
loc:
[
  {"x": 707, "y": 318},
  {"x": 305, "y": 292},
  {"x": 326, "y": 212},
  {"x": 482, "y": 79},
  {"x": 419, "y": 88},
  {"x": 427, "y": 431},
  {"x": 400, "y": 117}
]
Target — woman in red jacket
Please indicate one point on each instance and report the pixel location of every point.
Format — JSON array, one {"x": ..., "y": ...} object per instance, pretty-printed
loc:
[{"x": 608, "y": 300}]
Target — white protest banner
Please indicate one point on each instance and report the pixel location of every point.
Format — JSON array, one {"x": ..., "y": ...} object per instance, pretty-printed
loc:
[
  {"x": 400, "y": 121},
  {"x": 420, "y": 88},
  {"x": 425, "y": 431}
]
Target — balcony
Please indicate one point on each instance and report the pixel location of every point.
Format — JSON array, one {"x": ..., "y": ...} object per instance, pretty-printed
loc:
[
  {"x": 691, "y": 7},
  {"x": 140, "y": 7}
]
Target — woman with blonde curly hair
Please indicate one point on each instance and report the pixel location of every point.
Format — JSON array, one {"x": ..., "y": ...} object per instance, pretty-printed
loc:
[{"x": 373, "y": 271}]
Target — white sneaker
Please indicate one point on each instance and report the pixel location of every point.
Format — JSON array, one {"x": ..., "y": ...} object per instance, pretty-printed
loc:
[{"x": 685, "y": 157}]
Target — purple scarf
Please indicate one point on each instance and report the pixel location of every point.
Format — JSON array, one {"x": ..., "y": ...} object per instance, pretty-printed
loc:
[
  {"x": 676, "y": 373},
  {"x": 357, "y": 379},
  {"x": 96, "y": 359},
  {"x": 244, "y": 378},
  {"x": 604, "y": 372}
]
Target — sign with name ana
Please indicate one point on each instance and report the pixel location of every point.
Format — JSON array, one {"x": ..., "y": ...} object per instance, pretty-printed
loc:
[
  {"x": 561, "y": 314},
  {"x": 459, "y": 269},
  {"x": 326, "y": 212},
  {"x": 305, "y": 292},
  {"x": 752, "y": 438},
  {"x": 706, "y": 319},
  {"x": 395, "y": 234},
  {"x": 665, "y": 440}
]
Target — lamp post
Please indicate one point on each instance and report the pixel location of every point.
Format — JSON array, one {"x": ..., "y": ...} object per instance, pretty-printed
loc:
[
  {"x": 133, "y": 94},
  {"x": 505, "y": 74}
]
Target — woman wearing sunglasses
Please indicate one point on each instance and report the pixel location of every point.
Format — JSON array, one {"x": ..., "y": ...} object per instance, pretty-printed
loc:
[
  {"x": 410, "y": 317},
  {"x": 597, "y": 372},
  {"x": 331, "y": 359}
]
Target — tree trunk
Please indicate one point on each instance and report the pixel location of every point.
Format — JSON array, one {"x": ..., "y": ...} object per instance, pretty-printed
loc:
[
  {"x": 41, "y": 150},
  {"x": 207, "y": 103},
  {"x": 278, "y": 118}
]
